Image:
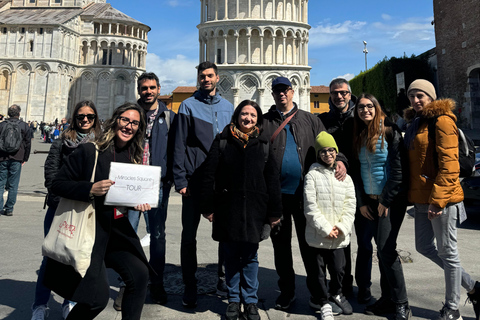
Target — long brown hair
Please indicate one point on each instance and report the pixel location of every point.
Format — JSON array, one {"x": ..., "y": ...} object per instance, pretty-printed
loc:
[
  {"x": 135, "y": 145},
  {"x": 364, "y": 135},
  {"x": 71, "y": 132}
]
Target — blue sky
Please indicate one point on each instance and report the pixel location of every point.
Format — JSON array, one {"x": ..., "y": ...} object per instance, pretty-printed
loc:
[{"x": 391, "y": 28}]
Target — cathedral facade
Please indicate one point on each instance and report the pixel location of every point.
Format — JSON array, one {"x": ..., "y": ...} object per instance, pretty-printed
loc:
[
  {"x": 253, "y": 42},
  {"x": 55, "y": 53}
]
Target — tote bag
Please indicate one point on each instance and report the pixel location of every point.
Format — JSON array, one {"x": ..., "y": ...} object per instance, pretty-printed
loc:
[{"x": 72, "y": 234}]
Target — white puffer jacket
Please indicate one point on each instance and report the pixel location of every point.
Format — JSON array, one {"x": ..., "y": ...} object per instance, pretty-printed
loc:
[{"x": 328, "y": 203}]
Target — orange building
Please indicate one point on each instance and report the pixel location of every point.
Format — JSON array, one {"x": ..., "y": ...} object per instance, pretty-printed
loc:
[
  {"x": 167, "y": 99},
  {"x": 180, "y": 94},
  {"x": 319, "y": 99}
]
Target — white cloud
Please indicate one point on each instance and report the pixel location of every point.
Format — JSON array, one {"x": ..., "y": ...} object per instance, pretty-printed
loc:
[
  {"x": 178, "y": 3},
  {"x": 347, "y": 76},
  {"x": 386, "y": 17},
  {"x": 326, "y": 34},
  {"x": 173, "y": 72}
]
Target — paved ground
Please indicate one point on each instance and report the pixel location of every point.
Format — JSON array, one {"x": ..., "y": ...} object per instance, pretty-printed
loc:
[{"x": 21, "y": 238}]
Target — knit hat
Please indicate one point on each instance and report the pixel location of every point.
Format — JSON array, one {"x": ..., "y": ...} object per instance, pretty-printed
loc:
[
  {"x": 425, "y": 86},
  {"x": 324, "y": 140}
]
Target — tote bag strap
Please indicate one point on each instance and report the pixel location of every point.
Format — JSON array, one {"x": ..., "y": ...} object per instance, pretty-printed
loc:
[
  {"x": 285, "y": 122},
  {"x": 95, "y": 164}
]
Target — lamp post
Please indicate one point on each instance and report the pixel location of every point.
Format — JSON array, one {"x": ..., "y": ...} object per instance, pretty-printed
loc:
[{"x": 366, "y": 52}]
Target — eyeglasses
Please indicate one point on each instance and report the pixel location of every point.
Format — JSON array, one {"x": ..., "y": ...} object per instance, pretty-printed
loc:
[
  {"x": 342, "y": 93},
  {"x": 124, "y": 121},
  {"x": 89, "y": 116},
  {"x": 329, "y": 151},
  {"x": 277, "y": 91},
  {"x": 361, "y": 107}
]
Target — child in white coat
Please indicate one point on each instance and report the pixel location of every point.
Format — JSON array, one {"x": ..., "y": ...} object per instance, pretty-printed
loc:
[{"x": 330, "y": 211}]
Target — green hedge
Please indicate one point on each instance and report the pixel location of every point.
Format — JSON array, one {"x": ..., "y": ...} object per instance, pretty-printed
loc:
[{"x": 381, "y": 79}]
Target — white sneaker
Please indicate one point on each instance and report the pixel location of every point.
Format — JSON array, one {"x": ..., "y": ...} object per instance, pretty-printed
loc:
[
  {"x": 67, "y": 308},
  {"x": 326, "y": 311},
  {"x": 40, "y": 313},
  {"x": 145, "y": 242}
]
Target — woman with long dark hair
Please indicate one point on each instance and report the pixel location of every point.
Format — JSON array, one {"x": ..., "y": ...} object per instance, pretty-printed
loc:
[
  {"x": 241, "y": 184},
  {"x": 381, "y": 198},
  {"x": 116, "y": 244},
  {"x": 84, "y": 128}
]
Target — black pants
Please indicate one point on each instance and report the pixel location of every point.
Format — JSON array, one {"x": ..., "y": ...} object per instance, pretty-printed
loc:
[
  {"x": 385, "y": 232},
  {"x": 188, "y": 248},
  {"x": 282, "y": 247},
  {"x": 134, "y": 273},
  {"x": 334, "y": 261}
]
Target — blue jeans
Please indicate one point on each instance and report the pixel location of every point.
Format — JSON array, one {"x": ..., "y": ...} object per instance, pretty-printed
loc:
[
  {"x": 9, "y": 178},
  {"x": 42, "y": 293},
  {"x": 443, "y": 229},
  {"x": 155, "y": 219},
  {"x": 241, "y": 271}
]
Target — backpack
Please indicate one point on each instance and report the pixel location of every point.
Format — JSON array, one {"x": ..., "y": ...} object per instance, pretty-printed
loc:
[
  {"x": 466, "y": 149},
  {"x": 10, "y": 137}
]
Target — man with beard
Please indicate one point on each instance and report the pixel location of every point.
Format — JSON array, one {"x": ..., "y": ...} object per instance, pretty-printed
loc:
[
  {"x": 199, "y": 119},
  {"x": 339, "y": 123}
]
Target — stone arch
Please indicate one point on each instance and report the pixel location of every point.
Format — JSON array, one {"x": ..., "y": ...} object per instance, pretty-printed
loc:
[
  {"x": 5, "y": 79},
  {"x": 248, "y": 83},
  {"x": 268, "y": 50},
  {"x": 225, "y": 86},
  {"x": 242, "y": 46},
  {"x": 255, "y": 46},
  {"x": 23, "y": 67},
  {"x": 231, "y": 45},
  {"x": 279, "y": 47},
  {"x": 473, "y": 96}
]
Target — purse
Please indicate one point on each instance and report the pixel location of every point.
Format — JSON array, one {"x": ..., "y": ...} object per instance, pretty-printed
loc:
[{"x": 72, "y": 234}]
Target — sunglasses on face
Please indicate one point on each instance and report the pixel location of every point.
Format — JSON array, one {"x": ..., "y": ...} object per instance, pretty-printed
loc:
[
  {"x": 342, "y": 93},
  {"x": 89, "y": 116},
  {"x": 278, "y": 91}
]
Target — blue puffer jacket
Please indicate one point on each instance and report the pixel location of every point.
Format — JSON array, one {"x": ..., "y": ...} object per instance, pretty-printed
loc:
[
  {"x": 374, "y": 167},
  {"x": 200, "y": 118}
]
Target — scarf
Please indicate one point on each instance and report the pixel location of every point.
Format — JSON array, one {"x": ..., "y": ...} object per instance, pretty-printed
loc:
[
  {"x": 244, "y": 137},
  {"x": 81, "y": 139}
]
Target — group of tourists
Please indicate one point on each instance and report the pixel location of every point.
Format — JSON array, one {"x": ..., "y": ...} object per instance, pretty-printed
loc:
[{"x": 250, "y": 174}]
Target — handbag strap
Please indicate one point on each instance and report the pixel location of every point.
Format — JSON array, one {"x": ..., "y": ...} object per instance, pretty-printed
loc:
[
  {"x": 284, "y": 123},
  {"x": 95, "y": 164}
]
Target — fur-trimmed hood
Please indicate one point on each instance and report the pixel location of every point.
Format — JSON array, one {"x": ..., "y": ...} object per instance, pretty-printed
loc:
[{"x": 433, "y": 109}]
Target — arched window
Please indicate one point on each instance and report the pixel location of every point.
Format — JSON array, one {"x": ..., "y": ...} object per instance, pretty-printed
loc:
[{"x": 4, "y": 80}]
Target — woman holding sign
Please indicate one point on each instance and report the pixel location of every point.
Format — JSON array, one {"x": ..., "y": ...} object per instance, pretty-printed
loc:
[
  {"x": 241, "y": 184},
  {"x": 116, "y": 243}
]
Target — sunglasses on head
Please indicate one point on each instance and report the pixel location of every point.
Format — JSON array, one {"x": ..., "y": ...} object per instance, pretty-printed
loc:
[{"x": 89, "y": 116}]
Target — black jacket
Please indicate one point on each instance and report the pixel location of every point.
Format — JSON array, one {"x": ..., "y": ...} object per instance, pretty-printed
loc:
[
  {"x": 397, "y": 175},
  {"x": 240, "y": 188},
  {"x": 73, "y": 182},
  {"x": 305, "y": 128},
  {"x": 23, "y": 153}
]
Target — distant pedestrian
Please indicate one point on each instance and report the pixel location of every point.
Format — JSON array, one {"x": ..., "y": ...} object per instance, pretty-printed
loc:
[{"x": 13, "y": 131}]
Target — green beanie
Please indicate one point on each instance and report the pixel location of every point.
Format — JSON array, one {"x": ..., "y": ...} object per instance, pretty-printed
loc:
[{"x": 324, "y": 140}]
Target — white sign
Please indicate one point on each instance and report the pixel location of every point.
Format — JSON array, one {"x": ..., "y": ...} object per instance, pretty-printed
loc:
[{"x": 134, "y": 184}]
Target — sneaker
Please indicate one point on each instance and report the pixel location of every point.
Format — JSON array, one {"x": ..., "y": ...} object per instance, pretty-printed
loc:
[
  {"x": 117, "y": 304},
  {"x": 145, "y": 241},
  {"x": 233, "y": 311},
  {"x": 67, "y": 308},
  {"x": 475, "y": 300},
  {"x": 158, "y": 294},
  {"x": 342, "y": 302},
  {"x": 315, "y": 304},
  {"x": 40, "y": 312},
  {"x": 222, "y": 289},
  {"x": 380, "y": 307},
  {"x": 189, "y": 299},
  {"x": 251, "y": 312},
  {"x": 336, "y": 310},
  {"x": 448, "y": 314},
  {"x": 364, "y": 295},
  {"x": 7, "y": 213},
  {"x": 402, "y": 312},
  {"x": 326, "y": 312},
  {"x": 284, "y": 301}
]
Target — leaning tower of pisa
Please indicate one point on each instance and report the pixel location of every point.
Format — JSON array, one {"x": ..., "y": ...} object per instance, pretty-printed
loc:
[{"x": 253, "y": 42}]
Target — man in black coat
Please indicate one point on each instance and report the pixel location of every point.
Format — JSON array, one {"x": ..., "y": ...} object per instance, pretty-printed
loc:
[
  {"x": 11, "y": 162},
  {"x": 293, "y": 148}
]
